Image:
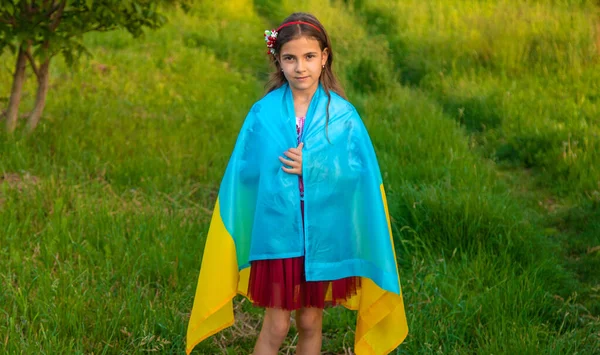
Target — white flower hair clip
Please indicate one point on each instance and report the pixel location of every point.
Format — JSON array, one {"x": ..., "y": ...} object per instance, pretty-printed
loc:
[{"x": 270, "y": 38}]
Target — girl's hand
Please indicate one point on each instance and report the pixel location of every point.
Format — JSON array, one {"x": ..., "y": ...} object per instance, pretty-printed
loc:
[{"x": 294, "y": 162}]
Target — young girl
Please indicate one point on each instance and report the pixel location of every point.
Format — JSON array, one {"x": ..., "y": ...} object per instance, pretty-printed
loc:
[{"x": 301, "y": 219}]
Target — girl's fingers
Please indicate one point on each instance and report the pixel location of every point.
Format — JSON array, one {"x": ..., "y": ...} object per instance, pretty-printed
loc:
[
  {"x": 293, "y": 155},
  {"x": 290, "y": 166},
  {"x": 285, "y": 161},
  {"x": 291, "y": 171},
  {"x": 291, "y": 163}
]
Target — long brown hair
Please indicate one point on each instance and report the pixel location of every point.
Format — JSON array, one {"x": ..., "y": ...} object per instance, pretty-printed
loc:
[{"x": 328, "y": 80}]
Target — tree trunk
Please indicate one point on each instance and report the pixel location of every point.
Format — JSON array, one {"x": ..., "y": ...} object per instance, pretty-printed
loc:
[
  {"x": 15, "y": 93},
  {"x": 40, "y": 98},
  {"x": 598, "y": 36}
]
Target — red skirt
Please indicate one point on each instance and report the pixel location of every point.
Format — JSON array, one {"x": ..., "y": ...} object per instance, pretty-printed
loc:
[{"x": 281, "y": 283}]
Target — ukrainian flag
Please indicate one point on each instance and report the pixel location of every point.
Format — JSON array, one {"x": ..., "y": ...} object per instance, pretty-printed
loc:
[{"x": 250, "y": 209}]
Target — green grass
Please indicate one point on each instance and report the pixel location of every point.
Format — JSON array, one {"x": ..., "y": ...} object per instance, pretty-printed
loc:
[
  {"x": 528, "y": 91},
  {"x": 487, "y": 137}
]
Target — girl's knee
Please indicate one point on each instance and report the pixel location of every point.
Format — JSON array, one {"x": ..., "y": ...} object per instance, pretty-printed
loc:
[
  {"x": 279, "y": 328},
  {"x": 277, "y": 324},
  {"x": 309, "y": 320}
]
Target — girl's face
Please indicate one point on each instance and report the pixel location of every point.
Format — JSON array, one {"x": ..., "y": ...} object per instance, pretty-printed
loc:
[{"x": 302, "y": 60}]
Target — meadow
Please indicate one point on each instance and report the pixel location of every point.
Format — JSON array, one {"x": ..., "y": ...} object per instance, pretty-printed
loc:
[{"x": 485, "y": 116}]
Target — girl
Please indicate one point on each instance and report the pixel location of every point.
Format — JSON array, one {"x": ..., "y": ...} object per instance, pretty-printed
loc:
[{"x": 301, "y": 219}]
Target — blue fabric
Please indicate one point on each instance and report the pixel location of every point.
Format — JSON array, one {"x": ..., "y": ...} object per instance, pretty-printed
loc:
[{"x": 346, "y": 231}]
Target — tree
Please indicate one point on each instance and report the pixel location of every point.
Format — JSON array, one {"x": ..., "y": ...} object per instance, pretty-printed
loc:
[{"x": 38, "y": 30}]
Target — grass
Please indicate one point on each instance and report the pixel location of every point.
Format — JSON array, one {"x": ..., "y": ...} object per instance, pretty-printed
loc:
[{"x": 486, "y": 135}]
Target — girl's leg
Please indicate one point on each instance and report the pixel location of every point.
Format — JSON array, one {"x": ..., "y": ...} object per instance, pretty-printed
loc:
[
  {"x": 274, "y": 330},
  {"x": 309, "y": 322}
]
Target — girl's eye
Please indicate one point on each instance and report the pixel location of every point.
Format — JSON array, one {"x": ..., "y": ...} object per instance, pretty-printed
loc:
[
  {"x": 310, "y": 56},
  {"x": 287, "y": 58}
]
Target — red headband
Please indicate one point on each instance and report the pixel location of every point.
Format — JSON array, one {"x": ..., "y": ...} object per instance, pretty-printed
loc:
[
  {"x": 297, "y": 23},
  {"x": 271, "y": 36}
]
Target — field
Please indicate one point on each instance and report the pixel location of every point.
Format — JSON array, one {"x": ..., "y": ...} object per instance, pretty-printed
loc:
[{"x": 485, "y": 116}]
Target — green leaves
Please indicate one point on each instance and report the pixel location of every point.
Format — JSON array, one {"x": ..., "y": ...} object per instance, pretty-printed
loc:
[
  {"x": 45, "y": 28},
  {"x": 59, "y": 23}
]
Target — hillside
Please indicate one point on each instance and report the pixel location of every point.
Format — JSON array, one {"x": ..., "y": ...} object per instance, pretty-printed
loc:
[{"x": 485, "y": 117}]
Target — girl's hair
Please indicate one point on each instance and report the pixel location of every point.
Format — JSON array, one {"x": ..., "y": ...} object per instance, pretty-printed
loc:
[{"x": 291, "y": 32}]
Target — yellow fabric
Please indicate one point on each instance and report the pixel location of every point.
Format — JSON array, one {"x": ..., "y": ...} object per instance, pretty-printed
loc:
[
  {"x": 381, "y": 321},
  {"x": 213, "y": 306}
]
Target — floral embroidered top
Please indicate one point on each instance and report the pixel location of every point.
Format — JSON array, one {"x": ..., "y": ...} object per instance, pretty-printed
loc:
[{"x": 299, "y": 129}]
